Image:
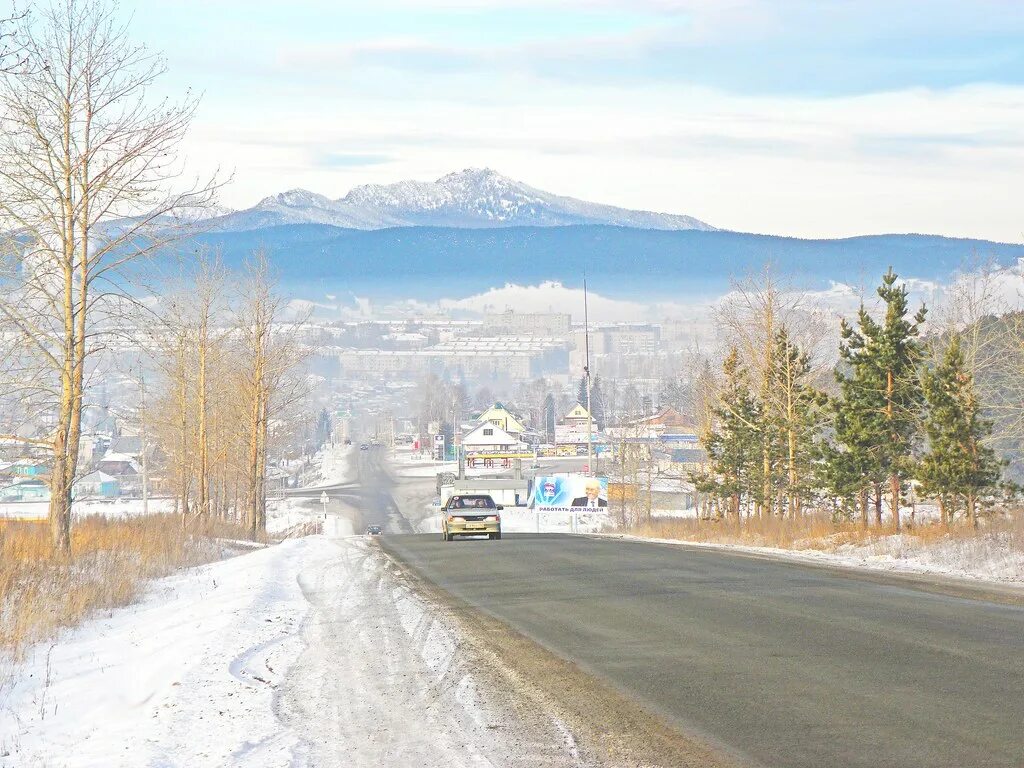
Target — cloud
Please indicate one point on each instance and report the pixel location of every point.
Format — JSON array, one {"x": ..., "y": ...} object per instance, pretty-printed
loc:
[
  {"x": 350, "y": 160},
  {"x": 548, "y": 297}
]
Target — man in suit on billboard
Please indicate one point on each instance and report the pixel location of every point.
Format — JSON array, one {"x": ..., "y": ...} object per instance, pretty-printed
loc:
[{"x": 593, "y": 498}]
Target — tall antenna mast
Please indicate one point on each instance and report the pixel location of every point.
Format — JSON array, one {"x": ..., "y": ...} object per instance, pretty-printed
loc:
[{"x": 586, "y": 373}]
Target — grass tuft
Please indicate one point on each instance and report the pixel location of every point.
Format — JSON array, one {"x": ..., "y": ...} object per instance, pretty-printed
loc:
[
  {"x": 996, "y": 550},
  {"x": 42, "y": 593}
]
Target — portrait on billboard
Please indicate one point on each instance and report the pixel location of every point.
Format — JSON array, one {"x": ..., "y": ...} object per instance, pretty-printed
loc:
[
  {"x": 569, "y": 492},
  {"x": 592, "y": 495}
]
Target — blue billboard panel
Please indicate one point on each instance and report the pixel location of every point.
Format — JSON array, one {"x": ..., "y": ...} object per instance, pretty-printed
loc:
[{"x": 563, "y": 493}]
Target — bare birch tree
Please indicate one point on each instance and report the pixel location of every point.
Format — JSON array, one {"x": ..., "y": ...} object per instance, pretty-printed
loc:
[
  {"x": 269, "y": 356},
  {"x": 752, "y": 317},
  {"x": 88, "y": 175}
]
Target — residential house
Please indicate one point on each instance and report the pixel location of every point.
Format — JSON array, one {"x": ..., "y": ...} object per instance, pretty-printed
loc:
[
  {"x": 500, "y": 416},
  {"x": 31, "y": 489},
  {"x": 98, "y": 484},
  {"x": 489, "y": 438},
  {"x": 124, "y": 469},
  {"x": 29, "y": 468},
  {"x": 576, "y": 427}
]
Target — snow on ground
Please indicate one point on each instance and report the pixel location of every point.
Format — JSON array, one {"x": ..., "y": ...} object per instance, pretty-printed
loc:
[
  {"x": 334, "y": 466},
  {"x": 385, "y": 681},
  {"x": 313, "y": 653},
  {"x": 37, "y": 510},
  {"x": 186, "y": 677},
  {"x": 987, "y": 557},
  {"x": 290, "y": 511}
]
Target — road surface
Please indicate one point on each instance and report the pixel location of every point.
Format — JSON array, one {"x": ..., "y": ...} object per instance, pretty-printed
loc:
[
  {"x": 784, "y": 664},
  {"x": 369, "y": 498}
]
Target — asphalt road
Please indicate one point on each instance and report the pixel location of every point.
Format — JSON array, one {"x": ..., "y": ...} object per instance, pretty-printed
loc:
[
  {"x": 784, "y": 664},
  {"x": 368, "y": 499}
]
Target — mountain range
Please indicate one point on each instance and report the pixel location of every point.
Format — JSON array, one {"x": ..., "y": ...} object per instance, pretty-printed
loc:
[
  {"x": 474, "y": 230},
  {"x": 430, "y": 263},
  {"x": 470, "y": 199}
]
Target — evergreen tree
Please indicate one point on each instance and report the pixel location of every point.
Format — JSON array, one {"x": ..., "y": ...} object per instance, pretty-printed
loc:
[
  {"x": 632, "y": 403},
  {"x": 796, "y": 422},
  {"x": 675, "y": 392},
  {"x": 734, "y": 448},
  {"x": 581, "y": 391},
  {"x": 957, "y": 464},
  {"x": 323, "y": 429},
  {"x": 878, "y": 418},
  {"x": 550, "y": 418},
  {"x": 597, "y": 405}
]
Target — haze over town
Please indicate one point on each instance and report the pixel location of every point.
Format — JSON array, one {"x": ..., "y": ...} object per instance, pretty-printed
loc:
[{"x": 511, "y": 383}]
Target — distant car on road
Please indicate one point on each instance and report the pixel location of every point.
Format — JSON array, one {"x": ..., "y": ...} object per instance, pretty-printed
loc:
[
  {"x": 374, "y": 530},
  {"x": 470, "y": 515},
  {"x": 364, "y": 447}
]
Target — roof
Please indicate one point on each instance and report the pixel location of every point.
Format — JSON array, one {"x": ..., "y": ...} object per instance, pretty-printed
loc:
[
  {"x": 498, "y": 410},
  {"x": 115, "y": 457},
  {"x": 668, "y": 417},
  {"x": 128, "y": 444},
  {"x": 476, "y": 436},
  {"x": 689, "y": 455},
  {"x": 577, "y": 412},
  {"x": 30, "y": 481},
  {"x": 98, "y": 477}
]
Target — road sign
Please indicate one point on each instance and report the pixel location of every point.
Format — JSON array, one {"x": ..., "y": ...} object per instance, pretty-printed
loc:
[{"x": 323, "y": 497}]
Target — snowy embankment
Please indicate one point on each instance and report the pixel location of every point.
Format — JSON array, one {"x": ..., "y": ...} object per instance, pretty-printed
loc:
[
  {"x": 314, "y": 653},
  {"x": 114, "y": 508},
  {"x": 985, "y": 557},
  {"x": 333, "y": 467},
  {"x": 186, "y": 677}
]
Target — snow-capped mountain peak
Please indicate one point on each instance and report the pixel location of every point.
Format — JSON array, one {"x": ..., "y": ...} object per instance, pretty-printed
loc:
[
  {"x": 471, "y": 198},
  {"x": 296, "y": 198}
]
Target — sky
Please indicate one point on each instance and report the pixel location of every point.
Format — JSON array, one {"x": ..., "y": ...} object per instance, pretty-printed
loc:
[{"x": 798, "y": 117}]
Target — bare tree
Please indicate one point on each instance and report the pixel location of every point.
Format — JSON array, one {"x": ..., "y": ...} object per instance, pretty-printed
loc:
[
  {"x": 269, "y": 356},
  {"x": 753, "y": 317},
  {"x": 88, "y": 177}
]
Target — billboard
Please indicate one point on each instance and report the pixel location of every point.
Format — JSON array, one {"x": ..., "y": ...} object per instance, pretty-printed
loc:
[{"x": 563, "y": 493}]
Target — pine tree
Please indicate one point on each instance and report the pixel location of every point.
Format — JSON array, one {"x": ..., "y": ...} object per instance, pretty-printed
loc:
[
  {"x": 734, "y": 449},
  {"x": 581, "y": 392},
  {"x": 879, "y": 415},
  {"x": 550, "y": 418},
  {"x": 957, "y": 463},
  {"x": 597, "y": 406},
  {"x": 798, "y": 416}
]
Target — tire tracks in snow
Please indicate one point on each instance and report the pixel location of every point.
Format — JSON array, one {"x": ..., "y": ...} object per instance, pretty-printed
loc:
[{"x": 385, "y": 680}]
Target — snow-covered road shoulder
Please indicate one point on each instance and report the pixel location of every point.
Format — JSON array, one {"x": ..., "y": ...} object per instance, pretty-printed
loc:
[
  {"x": 314, "y": 653},
  {"x": 186, "y": 677},
  {"x": 981, "y": 559}
]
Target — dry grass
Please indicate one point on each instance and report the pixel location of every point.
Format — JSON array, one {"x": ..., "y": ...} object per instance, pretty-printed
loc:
[
  {"x": 819, "y": 532},
  {"x": 41, "y": 594}
]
